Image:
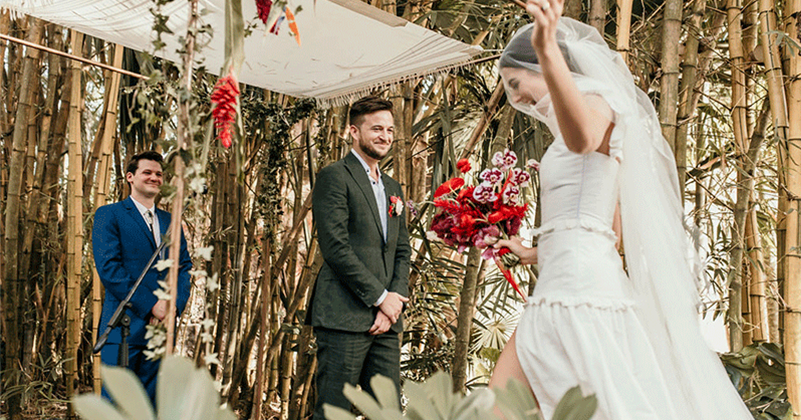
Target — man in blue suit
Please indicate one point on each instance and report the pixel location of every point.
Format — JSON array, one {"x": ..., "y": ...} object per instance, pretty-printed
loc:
[{"x": 124, "y": 237}]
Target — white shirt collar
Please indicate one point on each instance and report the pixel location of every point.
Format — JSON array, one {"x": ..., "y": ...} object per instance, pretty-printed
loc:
[
  {"x": 142, "y": 209},
  {"x": 364, "y": 164}
]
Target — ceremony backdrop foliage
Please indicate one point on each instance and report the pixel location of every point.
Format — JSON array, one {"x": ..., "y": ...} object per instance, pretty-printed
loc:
[{"x": 729, "y": 110}]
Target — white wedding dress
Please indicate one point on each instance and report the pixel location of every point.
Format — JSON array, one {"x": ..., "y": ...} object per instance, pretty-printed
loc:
[
  {"x": 580, "y": 326},
  {"x": 632, "y": 340}
]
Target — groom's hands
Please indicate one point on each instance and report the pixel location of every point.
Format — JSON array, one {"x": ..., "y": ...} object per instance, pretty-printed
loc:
[
  {"x": 381, "y": 325},
  {"x": 392, "y": 306}
]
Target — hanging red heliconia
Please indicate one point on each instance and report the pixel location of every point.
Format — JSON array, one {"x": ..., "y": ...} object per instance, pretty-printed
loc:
[
  {"x": 263, "y": 7},
  {"x": 223, "y": 99}
]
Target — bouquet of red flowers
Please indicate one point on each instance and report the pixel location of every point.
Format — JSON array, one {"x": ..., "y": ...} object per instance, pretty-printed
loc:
[{"x": 478, "y": 215}]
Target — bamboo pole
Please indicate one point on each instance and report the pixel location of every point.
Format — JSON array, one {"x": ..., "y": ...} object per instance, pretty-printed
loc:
[
  {"x": 739, "y": 122},
  {"x": 624, "y": 28},
  {"x": 71, "y": 56},
  {"x": 184, "y": 138},
  {"x": 103, "y": 176},
  {"x": 74, "y": 221},
  {"x": 13, "y": 281},
  {"x": 775, "y": 76},
  {"x": 467, "y": 306},
  {"x": 756, "y": 288},
  {"x": 689, "y": 80},
  {"x": 783, "y": 204},
  {"x": 668, "y": 99},
  {"x": 265, "y": 304},
  {"x": 792, "y": 254},
  {"x": 597, "y": 16},
  {"x": 36, "y": 231}
]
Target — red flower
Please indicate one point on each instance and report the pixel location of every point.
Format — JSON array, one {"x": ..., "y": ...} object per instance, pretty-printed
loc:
[
  {"x": 448, "y": 186},
  {"x": 263, "y": 7},
  {"x": 223, "y": 99},
  {"x": 463, "y": 165},
  {"x": 466, "y": 195}
]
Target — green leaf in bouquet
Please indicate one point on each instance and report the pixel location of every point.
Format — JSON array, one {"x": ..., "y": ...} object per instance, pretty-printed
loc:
[
  {"x": 575, "y": 406},
  {"x": 127, "y": 392},
  {"x": 94, "y": 407}
]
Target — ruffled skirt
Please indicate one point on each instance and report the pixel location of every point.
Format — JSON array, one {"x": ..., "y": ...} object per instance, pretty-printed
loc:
[{"x": 580, "y": 327}]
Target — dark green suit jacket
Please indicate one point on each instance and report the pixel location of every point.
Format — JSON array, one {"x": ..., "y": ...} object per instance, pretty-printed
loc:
[{"x": 358, "y": 264}]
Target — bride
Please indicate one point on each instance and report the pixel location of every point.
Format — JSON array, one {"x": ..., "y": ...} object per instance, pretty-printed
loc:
[{"x": 632, "y": 340}]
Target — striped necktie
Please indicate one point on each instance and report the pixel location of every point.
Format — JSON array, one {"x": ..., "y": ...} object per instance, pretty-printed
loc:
[{"x": 149, "y": 218}]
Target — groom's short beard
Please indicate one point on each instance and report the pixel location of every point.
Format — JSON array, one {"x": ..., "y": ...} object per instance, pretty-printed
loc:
[
  {"x": 373, "y": 153},
  {"x": 368, "y": 150}
]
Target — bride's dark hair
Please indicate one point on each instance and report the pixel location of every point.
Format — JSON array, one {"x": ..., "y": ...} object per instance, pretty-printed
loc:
[{"x": 520, "y": 51}]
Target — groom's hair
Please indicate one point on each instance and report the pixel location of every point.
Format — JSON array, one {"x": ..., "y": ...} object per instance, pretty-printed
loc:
[
  {"x": 368, "y": 105},
  {"x": 133, "y": 165}
]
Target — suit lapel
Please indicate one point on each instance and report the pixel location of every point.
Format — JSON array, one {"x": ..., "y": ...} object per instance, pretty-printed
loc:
[
  {"x": 133, "y": 212},
  {"x": 356, "y": 170}
]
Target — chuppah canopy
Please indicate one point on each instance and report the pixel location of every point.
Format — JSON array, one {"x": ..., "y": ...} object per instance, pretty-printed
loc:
[{"x": 347, "y": 47}]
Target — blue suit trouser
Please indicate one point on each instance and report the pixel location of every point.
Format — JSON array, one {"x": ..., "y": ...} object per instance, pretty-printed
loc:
[{"x": 146, "y": 370}]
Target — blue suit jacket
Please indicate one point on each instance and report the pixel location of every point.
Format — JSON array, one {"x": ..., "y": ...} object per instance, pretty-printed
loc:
[{"x": 122, "y": 245}]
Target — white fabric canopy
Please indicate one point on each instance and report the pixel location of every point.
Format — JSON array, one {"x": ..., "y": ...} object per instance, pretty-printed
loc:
[{"x": 348, "y": 46}]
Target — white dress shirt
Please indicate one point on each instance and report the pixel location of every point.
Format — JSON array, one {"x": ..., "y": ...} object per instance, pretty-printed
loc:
[
  {"x": 381, "y": 201},
  {"x": 156, "y": 227}
]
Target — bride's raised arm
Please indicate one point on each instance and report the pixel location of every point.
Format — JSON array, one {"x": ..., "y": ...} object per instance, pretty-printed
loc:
[{"x": 583, "y": 120}]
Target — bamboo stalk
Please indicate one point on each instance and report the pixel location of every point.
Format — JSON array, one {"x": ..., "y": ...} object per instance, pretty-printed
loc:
[
  {"x": 103, "y": 174},
  {"x": 72, "y": 56},
  {"x": 184, "y": 139},
  {"x": 671, "y": 38},
  {"x": 265, "y": 303},
  {"x": 624, "y": 28},
  {"x": 31, "y": 127},
  {"x": 74, "y": 221},
  {"x": 756, "y": 287},
  {"x": 13, "y": 277},
  {"x": 776, "y": 92},
  {"x": 689, "y": 78},
  {"x": 36, "y": 232},
  {"x": 467, "y": 306},
  {"x": 792, "y": 256},
  {"x": 597, "y": 16},
  {"x": 739, "y": 122}
]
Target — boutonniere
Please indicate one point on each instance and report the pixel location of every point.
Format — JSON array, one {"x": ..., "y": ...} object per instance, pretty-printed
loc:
[{"x": 395, "y": 206}]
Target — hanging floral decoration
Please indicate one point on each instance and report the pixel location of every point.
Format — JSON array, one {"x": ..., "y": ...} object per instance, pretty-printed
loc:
[
  {"x": 263, "y": 7},
  {"x": 223, "y": 99},
  {"x": 274, "y": 13}
]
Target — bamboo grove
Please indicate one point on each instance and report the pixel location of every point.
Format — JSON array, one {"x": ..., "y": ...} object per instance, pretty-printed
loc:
[{"x": 723, "y": 74}]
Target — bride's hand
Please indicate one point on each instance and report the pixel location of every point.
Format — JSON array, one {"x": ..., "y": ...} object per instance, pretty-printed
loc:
[
  {"x": 515, "y": 244},
  {"x": 546, "y": 15}
]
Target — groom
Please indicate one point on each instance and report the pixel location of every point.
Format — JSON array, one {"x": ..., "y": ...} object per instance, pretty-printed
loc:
[{"x": 360, "y": 291}]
